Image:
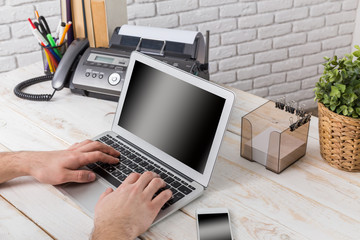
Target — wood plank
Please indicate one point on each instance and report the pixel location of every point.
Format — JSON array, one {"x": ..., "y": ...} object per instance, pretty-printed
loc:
[
  {"x": 275, "y": 194},
  {"x": 11, "y": 219}
]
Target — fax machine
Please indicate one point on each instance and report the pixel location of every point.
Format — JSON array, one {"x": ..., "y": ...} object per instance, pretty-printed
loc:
[{"x": 101, "y": 71}]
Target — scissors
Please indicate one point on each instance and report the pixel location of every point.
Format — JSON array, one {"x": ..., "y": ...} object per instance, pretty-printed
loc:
[{"x": 43, "y": 26}]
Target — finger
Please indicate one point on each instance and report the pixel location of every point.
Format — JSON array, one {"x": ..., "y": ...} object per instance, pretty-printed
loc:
[
  {"x": 104, "y": 194},
  {"x": 161, "y": 199},
  {"x": 97, "y": 156},
  {"x": 145, "y": 179},
  {"x": 98, "y": 146},
  {"x": 154, "y": 186},
  {"x": 132, "y": 178},
  {"x": 77, "y": 145},
  {"x": 79, "y": 176}
]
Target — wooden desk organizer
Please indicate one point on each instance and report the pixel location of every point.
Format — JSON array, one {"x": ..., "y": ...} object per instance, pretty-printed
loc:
[{"x": 269, "y": 137}]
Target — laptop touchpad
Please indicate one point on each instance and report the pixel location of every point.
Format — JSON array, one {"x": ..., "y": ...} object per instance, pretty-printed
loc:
[{"x": 85, "y": 195}]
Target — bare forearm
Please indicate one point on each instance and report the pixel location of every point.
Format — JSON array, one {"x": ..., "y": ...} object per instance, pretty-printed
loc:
[{"x": 12, "y": 165}]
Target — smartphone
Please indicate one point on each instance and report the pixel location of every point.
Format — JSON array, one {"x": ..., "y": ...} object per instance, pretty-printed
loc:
[{"x": 213, "y": 224}]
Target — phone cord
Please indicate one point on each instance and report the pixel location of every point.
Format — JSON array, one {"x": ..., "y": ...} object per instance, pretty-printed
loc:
[{"x": 34, "y": 97}]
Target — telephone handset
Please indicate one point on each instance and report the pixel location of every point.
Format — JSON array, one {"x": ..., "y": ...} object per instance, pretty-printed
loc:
[{"x": 62, "y": 76}]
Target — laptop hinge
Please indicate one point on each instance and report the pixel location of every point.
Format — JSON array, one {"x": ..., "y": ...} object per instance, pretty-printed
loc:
[{"x": 157, "y": 159}]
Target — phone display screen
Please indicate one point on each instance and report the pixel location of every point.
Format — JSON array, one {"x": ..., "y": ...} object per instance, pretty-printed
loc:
[
  {"x": 104, "y": 59},
  {"x": 214, "y": 226}
]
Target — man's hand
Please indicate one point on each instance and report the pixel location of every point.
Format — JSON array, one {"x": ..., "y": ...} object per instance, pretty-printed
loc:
[
  {"x": 129, "y": 211},
  {"x": 56, "y": 167}
]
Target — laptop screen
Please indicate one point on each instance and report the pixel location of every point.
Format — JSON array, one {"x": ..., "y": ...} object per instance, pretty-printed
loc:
[{"x": 176, "y": 117}]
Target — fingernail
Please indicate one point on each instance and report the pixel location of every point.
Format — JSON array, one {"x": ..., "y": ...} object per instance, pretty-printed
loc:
[{"x": 91, "y": 177}]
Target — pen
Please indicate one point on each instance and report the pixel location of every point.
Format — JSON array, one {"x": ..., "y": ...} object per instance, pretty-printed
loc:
[
  {"x": 65, "y": 31},
  {"x": 62, "y": 28},
  {"x": 58, "y": 30},
  {"x": 53, "y": 44},
  {"x": 43, "y": 42}
]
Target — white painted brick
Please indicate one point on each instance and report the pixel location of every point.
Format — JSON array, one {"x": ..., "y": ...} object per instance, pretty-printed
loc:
[
  {"x": 309, "y": 82},
  {"x": 235, "y": 62},
  {"x": 214, "y": 40},
  {"x": 290, "y": 40},
  {"x": 284, "y": 88},
  {"x": 7, "y": 63},
  {"x": 145, "y": 1},
  {"x": 269, "y": 80},
  {"x": 188, "y": 28},
  {"x": 306, "y": 49},
  {"x": 13, "y": 46},
  {"x": 274, "y": 30},
  {"x": 21, "y": 29},
  {"x": 337, "y": 42},
  {"x": 175, "y": 6},
  {"x": 238, "y": 36},
  {"x": 256, "y": 21},
  {"x": 253, "y": 72},
  {"x": 291, "y": 15},
  {"x": 350, "y": 4},
  {"x": 308, "y": 103},
  {"x": 261, "y": 92},
  {"x": 308, "y": 24},
  {"x": 13, "y": 14},
  {"x": 48, "y": 8},
  {"x": 198, "y": 16},
  {"x": 323, "y": 33},
  {"x": 207, "y": 3},
  {"x": 300, "y": 3},
  {"x": 169, "y": 21},
  {"x": 274, "y": 5},
  {"x": 238, "y": 9},
  {"x": 317, "y": 58},
  {"x": 223, "y": 77},
  {"x": 342, "y": 17},
  {"x": 254, "y": 46},
  {"x": 19, "y": 2},
  {"x": 321, "y": 69},
  {"x": 53, "y": 22},
  {"x": 301, "y": 73},
  {"x": 213, "y": 67},
  {"x": 271, "y": 56},
  {"x": 300, "y": 95},
  {"x": 286, "y": 65},
  {"x": 222, "y": 52},
  {"x": 129, "y": 2},
  {"x": 4, "y": 32},
  {"x": 244, "y": 85},
  {"x": 347, "y": 28},
  {"x": 340, "y": 52},
  {"x": 141, "y": 10},
  {"x": 324, "y": 9},
  {"x": 275, "y": 97},
  {"x": 28, "y": 58},
  {"x": 218, "y": 26}
]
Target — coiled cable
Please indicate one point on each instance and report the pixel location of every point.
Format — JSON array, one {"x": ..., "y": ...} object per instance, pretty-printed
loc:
[{"x": 34, "y": 97}]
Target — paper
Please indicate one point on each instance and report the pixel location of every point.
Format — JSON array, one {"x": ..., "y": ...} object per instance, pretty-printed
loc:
[{"x": 164, "y": 34}]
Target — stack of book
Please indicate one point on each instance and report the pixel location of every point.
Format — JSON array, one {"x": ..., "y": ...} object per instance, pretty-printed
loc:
[{"x": 94, "y": 19}]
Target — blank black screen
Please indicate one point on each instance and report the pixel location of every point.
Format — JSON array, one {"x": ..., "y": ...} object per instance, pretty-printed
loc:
[
  {"x": 176, "y": 117},
  {"x": 214, "y": 226}
]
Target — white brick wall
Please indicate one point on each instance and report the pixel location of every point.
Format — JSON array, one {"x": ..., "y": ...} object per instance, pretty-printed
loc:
[{"x": 269, "y": 48}]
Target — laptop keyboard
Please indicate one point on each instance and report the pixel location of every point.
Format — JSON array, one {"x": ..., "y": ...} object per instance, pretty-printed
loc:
[{"x": 133, "y": 161}]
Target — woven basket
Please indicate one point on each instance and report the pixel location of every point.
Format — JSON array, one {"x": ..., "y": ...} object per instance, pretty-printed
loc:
[{"x": 339, "y": 139}]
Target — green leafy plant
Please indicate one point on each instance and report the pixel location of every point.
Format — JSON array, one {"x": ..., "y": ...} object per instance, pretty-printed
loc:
[{"x": 339, "y": 86}]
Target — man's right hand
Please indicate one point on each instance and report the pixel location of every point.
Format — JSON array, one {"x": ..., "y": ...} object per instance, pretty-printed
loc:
[{"x": 129, "y": 211}]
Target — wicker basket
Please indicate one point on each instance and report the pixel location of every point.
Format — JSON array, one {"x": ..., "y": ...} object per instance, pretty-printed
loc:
[{"x": 339, "y": 139}]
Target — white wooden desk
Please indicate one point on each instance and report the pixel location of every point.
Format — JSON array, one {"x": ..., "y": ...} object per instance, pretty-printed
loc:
[{"x": 309, "y": 200}]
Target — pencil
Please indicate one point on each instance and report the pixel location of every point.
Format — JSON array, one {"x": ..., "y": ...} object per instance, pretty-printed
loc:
[
  {"x": 65, "y": 31},
  {"x": 37, "y": 14}
]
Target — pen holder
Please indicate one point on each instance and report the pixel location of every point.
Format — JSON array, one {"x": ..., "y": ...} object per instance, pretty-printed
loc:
[{"x": 51, "y": 57}]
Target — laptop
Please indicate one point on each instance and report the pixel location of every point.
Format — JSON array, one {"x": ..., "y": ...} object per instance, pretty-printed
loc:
[{"x": 167, "y": 121}]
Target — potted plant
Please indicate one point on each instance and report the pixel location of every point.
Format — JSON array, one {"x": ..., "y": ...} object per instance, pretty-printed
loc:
[{"x": 338, "y": 96}]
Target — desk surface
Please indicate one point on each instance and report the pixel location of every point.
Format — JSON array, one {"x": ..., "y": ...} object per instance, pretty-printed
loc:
[{"x": 309, "y": 200}]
